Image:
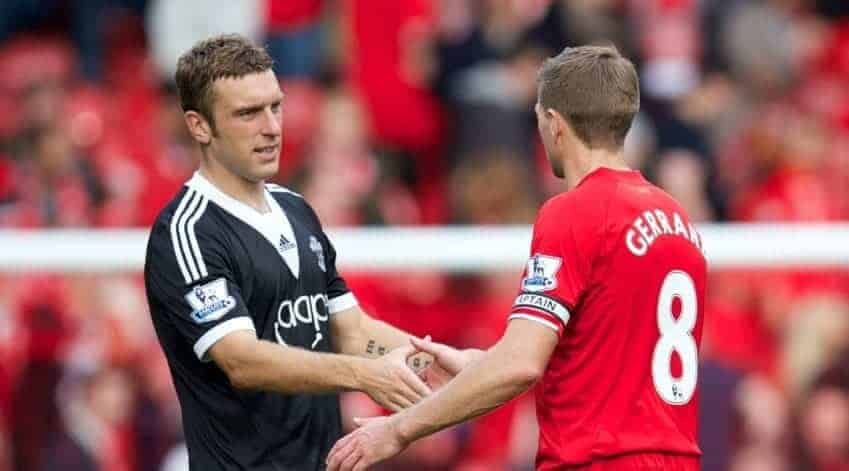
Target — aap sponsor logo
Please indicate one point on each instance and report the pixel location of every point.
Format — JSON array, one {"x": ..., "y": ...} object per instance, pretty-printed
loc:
[
  {"x": 304, "y": 310},
  {"x": 210, "y": 301},
  {"x": 541, "y": 274}
]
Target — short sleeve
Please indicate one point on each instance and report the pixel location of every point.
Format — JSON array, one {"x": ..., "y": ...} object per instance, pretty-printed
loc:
[
  {"x": 339, "y": 296},
  {"x": 190, "y": 282},
  {"x": 555, "y": 276}
]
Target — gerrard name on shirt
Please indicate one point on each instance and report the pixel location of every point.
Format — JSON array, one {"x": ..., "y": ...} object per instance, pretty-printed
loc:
[{"x": 651, "y": 224}]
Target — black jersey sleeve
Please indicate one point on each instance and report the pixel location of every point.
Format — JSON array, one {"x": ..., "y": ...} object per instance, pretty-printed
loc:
[
  {"x": 190, "y": 283},
  {"x": 339, "y": 296}
]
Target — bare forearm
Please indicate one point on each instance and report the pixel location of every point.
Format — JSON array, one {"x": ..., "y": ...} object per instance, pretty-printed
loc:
[
  {"x": 479, "y": 388},
  {"x": 370, "y": 338},
  {"x": 382, "y": 338},
  {"x": 290, "y": 370}
]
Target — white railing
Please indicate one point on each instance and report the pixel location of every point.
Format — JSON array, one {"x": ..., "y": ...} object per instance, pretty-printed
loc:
[{"x": 461, "y": 248}]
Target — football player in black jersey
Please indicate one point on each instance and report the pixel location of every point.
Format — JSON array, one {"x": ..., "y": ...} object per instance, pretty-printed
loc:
[{"x": 259, "y": 329}]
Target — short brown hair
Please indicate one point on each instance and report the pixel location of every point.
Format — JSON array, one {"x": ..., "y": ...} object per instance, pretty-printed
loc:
[
  {"x": 223, "y": 56},
  {"x": 595, "y": 89}
]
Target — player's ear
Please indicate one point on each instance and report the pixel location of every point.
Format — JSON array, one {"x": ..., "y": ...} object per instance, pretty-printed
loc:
[
  {"x": 199, "y": 127},
  {"x": 555, "y": 122}
]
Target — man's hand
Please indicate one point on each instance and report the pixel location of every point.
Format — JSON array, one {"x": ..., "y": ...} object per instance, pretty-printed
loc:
[
  {"x": 391, "y": 383},
  {"x": 447, "y": 358},
  {"x": 377, "y": 439}
]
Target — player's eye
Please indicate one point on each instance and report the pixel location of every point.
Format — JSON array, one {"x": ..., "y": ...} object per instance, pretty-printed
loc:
[
  {"x": 247, "y": 113},
  {"x": 275, "y": 107}
]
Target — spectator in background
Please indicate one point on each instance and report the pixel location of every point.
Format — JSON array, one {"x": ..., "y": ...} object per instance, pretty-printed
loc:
[
  {"x": 174, "y": 159},
  {"x": 785, "y": 175},
  {"x": 484, "y": 34},
  {"x": 757, "y": 459},
  {"x": 670, "y": 42},
  {"x": 490, "y": 188},
  {"x": 156, "y": 417},
  {"x": 53, "y": 186},
  {"x": 14, "y": 343},
  {"x": 40, "y": 104},
  {"x": 389, "y": 70},
  {"x": 492, "y": 102},
  {"x": 389, "y": 66},
  {"x": 294, "y": 37},
  {"x": 764, "y": 419},
  {"x": 301, "y": 119},
  {"x": 824, "y": 430},
  {"x": 347, "y": 182},
  {"x": 486, "y": 69},
  {"x": 717, "y": 410},
  {"x": 90, "y": 22},
  {"x": 46, "y": 316},
  {"x": 682, "y": 174},
  {"x": 174, "y": 26},
  {"x": 815, "y": 334},
  {"x": 585, "y": 22},
  {"x": 95, "y": 407},
  {"x": 756, "y": 38},
  {"x": 87, "y": 22}
]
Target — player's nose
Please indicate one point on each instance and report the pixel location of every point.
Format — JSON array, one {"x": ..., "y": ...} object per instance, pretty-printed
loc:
[{"x": 271, "y": 123}]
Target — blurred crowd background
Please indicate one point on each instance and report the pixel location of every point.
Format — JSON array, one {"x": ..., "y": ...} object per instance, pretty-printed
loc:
[{"x": 420, "y": 112}]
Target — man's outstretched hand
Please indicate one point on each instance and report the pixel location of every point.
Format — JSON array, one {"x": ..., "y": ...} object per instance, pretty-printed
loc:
[
  {"x": 375, "y": 440},
  {"x": 393, "y": 384},
  {"x": 447, "y": 361}
]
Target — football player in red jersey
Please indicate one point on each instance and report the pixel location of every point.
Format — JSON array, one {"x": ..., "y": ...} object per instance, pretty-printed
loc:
[{"x": 609, "y": 314}]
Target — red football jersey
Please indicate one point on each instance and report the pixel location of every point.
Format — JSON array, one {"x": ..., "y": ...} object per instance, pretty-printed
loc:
[{"x": 617, "y": 270}]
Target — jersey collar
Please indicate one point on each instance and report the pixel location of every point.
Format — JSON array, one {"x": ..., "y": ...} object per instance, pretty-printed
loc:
[
  {"x": 271, "y": 225},
  {"x": 610, "y": 172}
]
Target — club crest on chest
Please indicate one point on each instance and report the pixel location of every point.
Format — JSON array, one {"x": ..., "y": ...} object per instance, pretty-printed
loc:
[{"x": 318, "y": 250}]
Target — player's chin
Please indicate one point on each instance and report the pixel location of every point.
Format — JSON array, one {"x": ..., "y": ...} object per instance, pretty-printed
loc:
[{"x": 265, "y": 166}]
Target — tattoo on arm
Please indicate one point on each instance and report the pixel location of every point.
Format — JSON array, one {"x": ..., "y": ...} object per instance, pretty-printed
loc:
[{"x": 372, "y": 347}]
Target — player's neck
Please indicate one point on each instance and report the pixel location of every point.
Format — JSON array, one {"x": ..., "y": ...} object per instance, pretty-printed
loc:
[
  {"x": 586, "y": 161},
  {"x": 238, "y": 188}
]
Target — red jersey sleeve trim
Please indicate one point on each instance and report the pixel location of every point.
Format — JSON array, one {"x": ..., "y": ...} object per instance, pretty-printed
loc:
[{"x": 538, "y": 319}]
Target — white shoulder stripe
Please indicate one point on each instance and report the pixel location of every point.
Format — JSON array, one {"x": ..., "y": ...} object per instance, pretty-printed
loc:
[
  {"x": 175, "y": 218},
  {"x": 193, "y": 240},
  {"x": 184, "y": 237}
]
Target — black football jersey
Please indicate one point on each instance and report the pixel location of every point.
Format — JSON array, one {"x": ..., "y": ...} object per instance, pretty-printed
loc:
[{"x": 214, "y": 266}]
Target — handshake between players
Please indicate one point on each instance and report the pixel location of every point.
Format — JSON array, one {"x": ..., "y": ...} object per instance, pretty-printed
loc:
[
  {"x": 378, "y": 438},
  {"x": 261, "y": 331},
  {"x": 408, "y": 374}
]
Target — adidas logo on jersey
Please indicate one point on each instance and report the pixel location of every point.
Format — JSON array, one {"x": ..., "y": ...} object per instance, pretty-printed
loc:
[{"x": 285, "y": 244}]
